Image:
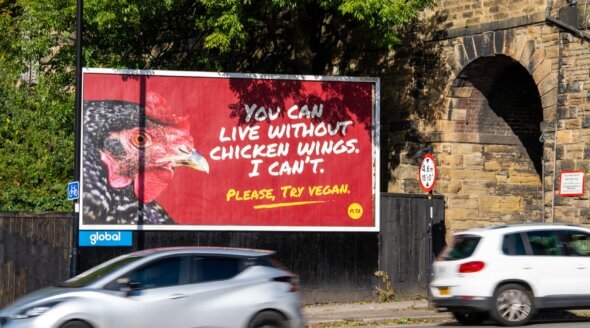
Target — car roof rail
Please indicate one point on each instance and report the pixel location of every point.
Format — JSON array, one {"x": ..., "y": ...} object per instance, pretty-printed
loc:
[{"x": 526, "y": 224}]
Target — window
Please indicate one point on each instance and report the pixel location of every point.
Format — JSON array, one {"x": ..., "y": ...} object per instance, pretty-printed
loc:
[
  {"x": 160, "y": 273},
  {"x": 92, "y": 275},
  {"x": 513, "y": 245},
  {"x": 461, "y": 248},
  {"x": 544, "y": 243},
  {"x": 212, "y": 268},
  {"x": 270, "y": 261},
  {"x": 577, "y": 243}
]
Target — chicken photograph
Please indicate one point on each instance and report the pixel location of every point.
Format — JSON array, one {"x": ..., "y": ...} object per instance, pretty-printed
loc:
[{"x": 130, "y": 154}]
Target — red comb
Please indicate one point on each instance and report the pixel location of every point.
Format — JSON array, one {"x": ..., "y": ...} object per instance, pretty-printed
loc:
[{"x": 157, "y": 110}]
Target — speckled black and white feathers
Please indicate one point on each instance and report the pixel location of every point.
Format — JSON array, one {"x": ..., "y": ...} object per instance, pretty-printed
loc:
[{"x": 103, "y": 204}]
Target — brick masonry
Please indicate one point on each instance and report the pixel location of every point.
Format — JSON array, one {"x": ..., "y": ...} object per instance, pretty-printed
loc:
[{"x": 508, "y": 79}]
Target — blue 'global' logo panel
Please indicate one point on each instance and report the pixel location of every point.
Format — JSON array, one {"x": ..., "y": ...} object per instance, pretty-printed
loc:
[{"x": 105, "y": 238}]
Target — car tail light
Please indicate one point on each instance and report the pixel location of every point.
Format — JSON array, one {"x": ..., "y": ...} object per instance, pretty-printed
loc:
[
  {"x": 469, "y": 267},
  {"x": 291, "y": 280}
]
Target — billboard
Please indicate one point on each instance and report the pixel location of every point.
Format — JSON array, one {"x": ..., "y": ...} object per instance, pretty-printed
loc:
[{"x": 170, "y": 150}]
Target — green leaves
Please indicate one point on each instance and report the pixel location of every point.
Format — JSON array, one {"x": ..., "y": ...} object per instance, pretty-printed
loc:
[
  {"x": 37, "y": 62},
  {"x": 36, "y": 138},
  {"x": 36, "y": 114},
  {"x": 224, "y": 29},
  {"x": 228, "y": 31},
  {"x": 387, "y": 16}
]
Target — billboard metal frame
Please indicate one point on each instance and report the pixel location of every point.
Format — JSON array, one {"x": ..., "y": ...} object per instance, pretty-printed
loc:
[{"x": 375, "y": 152}]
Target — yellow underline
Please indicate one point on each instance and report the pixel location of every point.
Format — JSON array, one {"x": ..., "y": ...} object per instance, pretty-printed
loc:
[{"x": 257, "y": 207}]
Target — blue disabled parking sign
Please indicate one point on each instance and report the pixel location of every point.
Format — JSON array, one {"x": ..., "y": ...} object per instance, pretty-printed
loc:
[{"x": 73, "y": 190}]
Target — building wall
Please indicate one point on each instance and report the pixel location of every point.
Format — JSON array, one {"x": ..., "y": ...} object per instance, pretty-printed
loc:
[
  {"x": 462, "y": 13},
  {"x": 486, "y": 173},
  {"x": 573, "y": 125}
]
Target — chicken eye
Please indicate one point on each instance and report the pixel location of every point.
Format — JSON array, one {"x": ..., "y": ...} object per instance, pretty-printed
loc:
[{"x": 140, "y": 139}]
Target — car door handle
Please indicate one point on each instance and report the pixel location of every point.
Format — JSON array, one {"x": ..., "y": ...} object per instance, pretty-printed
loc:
[
  {"x": 176, "y": 296},
  {"x": 527, "y": 267},
  {"x": 580, "y": 267}
]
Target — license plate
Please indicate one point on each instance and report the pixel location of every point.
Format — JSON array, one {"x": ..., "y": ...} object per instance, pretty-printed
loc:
[{"x": 444, "y": 291}]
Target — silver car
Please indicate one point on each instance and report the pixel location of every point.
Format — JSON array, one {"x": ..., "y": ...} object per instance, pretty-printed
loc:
[{"x": 184, "y": 287}]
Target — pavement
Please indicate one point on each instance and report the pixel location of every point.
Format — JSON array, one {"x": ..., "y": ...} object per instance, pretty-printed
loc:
[
  {"x": 404, "y": 313},
  {"x": 372, "y": 314}
]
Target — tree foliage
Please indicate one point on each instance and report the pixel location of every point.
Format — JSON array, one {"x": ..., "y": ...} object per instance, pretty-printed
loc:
[
  {"x": 37, "y": 73},
  {"x": 36, "y": 118}
]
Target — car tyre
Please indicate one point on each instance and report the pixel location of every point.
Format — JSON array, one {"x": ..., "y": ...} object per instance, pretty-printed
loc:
[
  {"x": 75, "y": 324},
  {"x": 512, "y": 305},
  {"x": 470, "y": 318},
  {"x": 268, "y": 319}
]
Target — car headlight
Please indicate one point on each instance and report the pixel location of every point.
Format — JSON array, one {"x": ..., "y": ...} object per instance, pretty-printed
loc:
[{"x": 33, "y": 311}]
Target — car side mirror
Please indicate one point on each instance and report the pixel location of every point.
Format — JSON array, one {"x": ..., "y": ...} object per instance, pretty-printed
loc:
[
  {"x": 134, "y": 288},
  {"x": 127, "y": 286}
]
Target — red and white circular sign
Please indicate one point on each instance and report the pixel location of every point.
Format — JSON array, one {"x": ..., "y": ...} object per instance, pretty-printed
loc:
[{"x": 428, "y": 172}]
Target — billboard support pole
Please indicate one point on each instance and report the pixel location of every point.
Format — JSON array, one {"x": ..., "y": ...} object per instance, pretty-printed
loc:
[{"x": 77, "y": 136}]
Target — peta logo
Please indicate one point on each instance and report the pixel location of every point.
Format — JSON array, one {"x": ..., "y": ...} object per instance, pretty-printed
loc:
[{"x": 105, "y": 238}]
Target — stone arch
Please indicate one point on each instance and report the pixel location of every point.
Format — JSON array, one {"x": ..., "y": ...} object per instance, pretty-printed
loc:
[
  {"x": 491, "y": 158},
  {"x": 521, "y": 47}
]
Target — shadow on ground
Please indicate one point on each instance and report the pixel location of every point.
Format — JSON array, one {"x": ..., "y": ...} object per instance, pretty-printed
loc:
[{"x": 540, "y": 318}]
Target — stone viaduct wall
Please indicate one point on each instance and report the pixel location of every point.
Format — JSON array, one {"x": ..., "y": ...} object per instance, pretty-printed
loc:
[{"x": 504, "y": 102}]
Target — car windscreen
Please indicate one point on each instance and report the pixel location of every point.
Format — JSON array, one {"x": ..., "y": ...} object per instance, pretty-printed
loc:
[
  {"x": 88, "y": 277},
  {"x": 461, "y": 248}
]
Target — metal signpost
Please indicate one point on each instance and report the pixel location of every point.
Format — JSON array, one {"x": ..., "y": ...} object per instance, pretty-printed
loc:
[
  {"x": 427, "y": 177},
  {"x": 78, "y": 110}
]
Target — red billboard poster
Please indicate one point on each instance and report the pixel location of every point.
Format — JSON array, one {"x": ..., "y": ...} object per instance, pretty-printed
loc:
[{"x": 169, "y": 150}]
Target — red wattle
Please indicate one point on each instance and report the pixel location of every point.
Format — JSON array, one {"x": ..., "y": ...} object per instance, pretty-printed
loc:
[
  {"x": 116, "y": 180},
  {"x": 149, "y": 186}
]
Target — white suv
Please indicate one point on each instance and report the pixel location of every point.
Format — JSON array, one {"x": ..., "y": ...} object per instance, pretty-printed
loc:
[{"x": 510, "y": 272}]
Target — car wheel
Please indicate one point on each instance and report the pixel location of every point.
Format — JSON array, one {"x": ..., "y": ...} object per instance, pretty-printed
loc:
[
  {"x": 513, "y": 305},
  {"x": 470, "y": 318},
  {"x": 75, "y": 324},
  {"x": 268, "y": 319}
]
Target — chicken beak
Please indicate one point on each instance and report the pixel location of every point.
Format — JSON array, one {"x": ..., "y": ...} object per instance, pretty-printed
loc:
[
  {"x": 195, "y": 161},
  {"x": 186, "y": 156}
]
